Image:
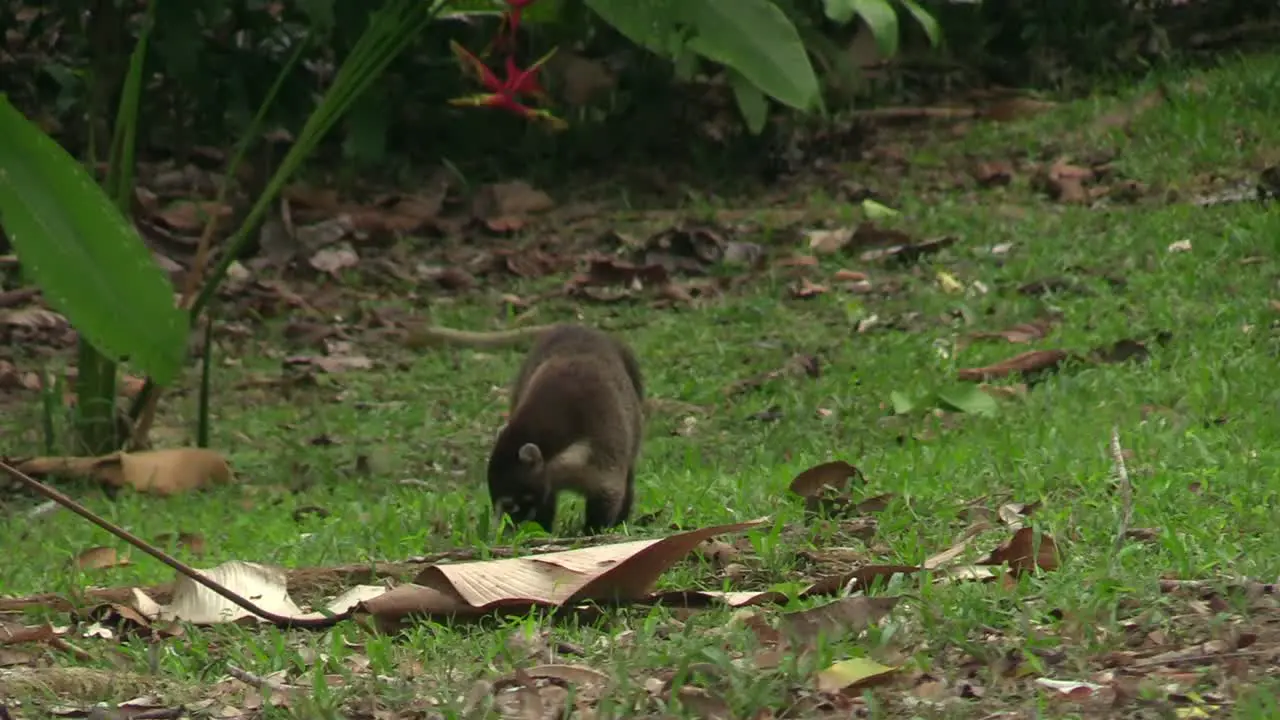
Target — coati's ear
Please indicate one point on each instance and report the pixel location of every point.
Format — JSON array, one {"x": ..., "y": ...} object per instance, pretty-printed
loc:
[{"x": 530, "y": 454}]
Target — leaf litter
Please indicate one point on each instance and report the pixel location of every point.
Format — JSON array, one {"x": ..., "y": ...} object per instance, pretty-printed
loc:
[{"x": 682, "y": 257}]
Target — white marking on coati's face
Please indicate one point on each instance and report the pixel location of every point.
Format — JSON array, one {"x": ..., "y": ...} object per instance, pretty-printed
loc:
[{"x": 526, "y": 490}]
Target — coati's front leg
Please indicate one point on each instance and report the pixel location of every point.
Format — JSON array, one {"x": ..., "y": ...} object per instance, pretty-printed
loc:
[
  {"x": 608, "y": 507},
  {"x": 545, "y": 515}
]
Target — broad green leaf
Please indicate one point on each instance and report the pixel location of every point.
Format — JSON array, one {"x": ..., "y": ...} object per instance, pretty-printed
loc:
[
  {"x": 878, "y": 211},
  {"x": 647, "y": 23},
  {"x": 751, "y": 102},
  {"x": 852, "y": 673},
  {"x": 839, "y": 11},
  {"x": 968, "y": 399},
  {"x": 902, "y": 405},
  {"x": 927, "y": 21},
  {"x": 882, "y": 20},
  {"x": 757, "y": 39},
  {"x": 84, "y": 255}
]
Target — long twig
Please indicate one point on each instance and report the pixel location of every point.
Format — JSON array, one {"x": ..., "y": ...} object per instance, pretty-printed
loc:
[
  {"x": 162, "y": 556},
  {"x": 1126, "y": 489}
]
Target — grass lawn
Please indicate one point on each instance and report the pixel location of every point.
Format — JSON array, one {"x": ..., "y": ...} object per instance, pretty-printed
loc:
[{"x": 395, "y": 457}]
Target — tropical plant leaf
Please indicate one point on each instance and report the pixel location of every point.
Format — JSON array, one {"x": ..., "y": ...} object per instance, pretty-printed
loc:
[
  {"x": 882, "y": 19},
  {"x": 758, "y": 40},
  {"x": 927, "y": 21},
  {"x": 752, "y": 103},
  {"x": 84, "y": 255},
  {"x": 647, "y": 23}
]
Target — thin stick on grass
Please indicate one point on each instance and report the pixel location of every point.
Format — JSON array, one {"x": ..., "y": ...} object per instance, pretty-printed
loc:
[
  {"x": 162, "y": 556},
  {"x": 1126, "y": 489}
]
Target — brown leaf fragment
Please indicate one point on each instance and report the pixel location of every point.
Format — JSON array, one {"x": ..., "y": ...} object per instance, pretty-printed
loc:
[
  {"x": 796, "y": 366},
  {"x": 1025, "y": 551},
  {"x": 193, "y": 542},
  {"x": 98, "y": 558},
  {"x": 691, "y": 247},
  {"x": 876, "y": 503},
  {"x": 1021, "y": 333},
  {"x": 1011, "y": 514},
  {"x": 331, "y": 364},
  {"x": 14, "y": 634},
  {"x": 163, "y": 472},
  {"x": 508, "y": 203},
  {"x": 188, "y": 216},
  {"x": 869, "y": 235},
  {"x": 614, "y": 271},
  {"x": 906, "y": 254},
  {"x": 826, "y": 242},
  {"x": 1066, "y": 183},
  {"x": 835, "y": 620},
  {"x": 1027, "y": 364},
  {"x": 849, "y": 276},
  {"x": 33, "y": 317},
  {"x": 718, "y": 552},
  {"x": 805, "y": 289},
  {"x": 1149, "y": 535},
  {"x": 993, "y": 173},
  {"x": 828, "y": 476},
  {"x": 333, "y": 260}
]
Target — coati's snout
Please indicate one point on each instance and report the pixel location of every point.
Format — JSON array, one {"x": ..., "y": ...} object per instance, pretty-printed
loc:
[{"x": 518, "y": 485}]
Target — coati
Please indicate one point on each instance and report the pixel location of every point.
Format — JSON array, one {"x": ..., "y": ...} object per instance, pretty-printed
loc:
[{"x": 576, "y": 422}]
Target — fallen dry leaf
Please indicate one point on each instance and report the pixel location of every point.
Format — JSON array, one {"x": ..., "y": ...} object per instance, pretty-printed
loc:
[
  {"x": 828, "y": 476},
  {"x": 332, "y": 260},
  {"x": 97, "y": 558},
  {"x": 1021, "y": 333},
  {"x": 796, "y": 366},
  {"x": 187, "y": 216},
  {"x": 826, "y": 242},
  {"x": 331, "y": 364},
  {"x": 834, "y": 621},
  {"x": 993, "y": 173},
  {"x": 505, "y": 206},
  {"x": 194, "y": 542},
  {"x": 849, "y": 276},
  {"x": 1028, "y": 363},
  {"x": 1066, "y": 183},
  {"x": 163, "y": 472},
  {"x": 908, "y": 253},
  {"x": 33, "y": 317},
  {"x": 849, "y": 675},
  {"x": 623, "y": 571},
  {"x": 12, "y": 633},
  {"x": 805, "y": 289},
  {"x": 1025, "y": 551}
]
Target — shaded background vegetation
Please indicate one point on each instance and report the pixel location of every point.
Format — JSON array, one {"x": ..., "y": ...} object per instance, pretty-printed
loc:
[{"x": 214, "y": 60}]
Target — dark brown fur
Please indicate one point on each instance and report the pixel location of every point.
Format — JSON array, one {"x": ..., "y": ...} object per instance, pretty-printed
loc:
[{"x": 576, "y": 424}]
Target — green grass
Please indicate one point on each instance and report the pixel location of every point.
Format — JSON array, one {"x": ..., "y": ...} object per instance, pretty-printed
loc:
[{"x": 1210, "y": 487}]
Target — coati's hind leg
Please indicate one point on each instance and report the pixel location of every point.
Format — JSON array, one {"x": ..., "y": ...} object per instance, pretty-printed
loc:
[
  {"x": 628, "y": 496},
  {"x": 608, "y": 506}
]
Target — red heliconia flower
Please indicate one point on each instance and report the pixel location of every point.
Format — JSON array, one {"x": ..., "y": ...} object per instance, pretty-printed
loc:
[{"x": 504, "y": 93}]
